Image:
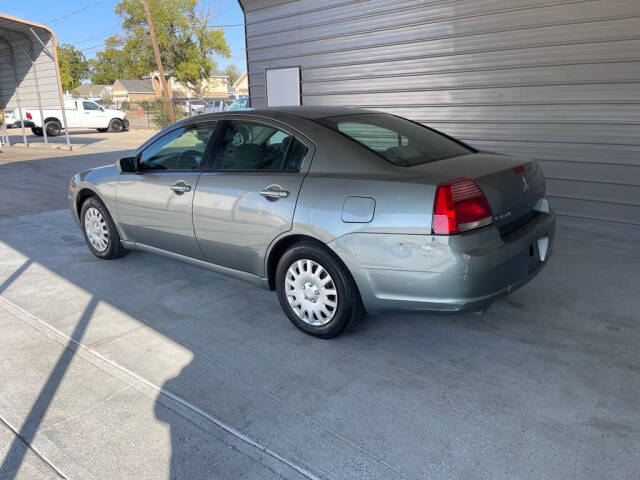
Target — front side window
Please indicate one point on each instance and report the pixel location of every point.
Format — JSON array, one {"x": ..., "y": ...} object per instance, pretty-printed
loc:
[
  {"x": 90, "y": 106},
  {"x": 254, "y": 146},
  {"x": 181, "y": 149},
  {"x": 400, "y": 141}
]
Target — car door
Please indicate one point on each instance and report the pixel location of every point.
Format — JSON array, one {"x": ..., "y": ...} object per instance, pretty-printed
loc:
[
  {"x": 93, "y": 115},
  {"x": 249, "y": 197},
  {"x": 154, "y": 204}
]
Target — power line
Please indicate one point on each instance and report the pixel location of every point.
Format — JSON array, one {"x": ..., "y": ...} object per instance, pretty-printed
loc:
[
  {"x": 106, "y": 33},
  {"x": 75, "y": 12},
  {"x": 228, "y": 25}
]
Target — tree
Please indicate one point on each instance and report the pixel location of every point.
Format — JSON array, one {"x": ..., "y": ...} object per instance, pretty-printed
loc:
[
  {"x": 232, "y": 73},
  {"x": 115, "y": 63},
  {"x": 187, "y": 43},
  {"x": 73, "y": 66}
]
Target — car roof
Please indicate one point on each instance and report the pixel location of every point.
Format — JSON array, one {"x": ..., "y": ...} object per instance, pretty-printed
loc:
[
  {"x": 312, "y": 112},
  {"x": 304, "y": 111}
]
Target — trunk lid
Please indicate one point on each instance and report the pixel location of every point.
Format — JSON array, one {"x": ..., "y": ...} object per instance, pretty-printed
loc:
[{"x": 512, "y": 186}]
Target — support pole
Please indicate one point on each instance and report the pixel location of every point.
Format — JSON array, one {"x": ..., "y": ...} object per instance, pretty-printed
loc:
[
  {"x": 24, "y": 134},
  {"x": 156, "y": 52},
  {"x": 62, "y": 103}
]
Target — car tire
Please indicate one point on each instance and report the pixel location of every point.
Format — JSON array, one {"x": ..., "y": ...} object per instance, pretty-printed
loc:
[
  {"x": 99, "y": 231},
  {"x": 102, "y": 130},
  {"x": 53, "y": 128},
  {"x": 317, "y": 291},
  {"x": 37, "y": 131},
  {"x": 116, "y": 125}
]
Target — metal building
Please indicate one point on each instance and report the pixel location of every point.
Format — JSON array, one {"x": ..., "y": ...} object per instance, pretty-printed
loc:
[
  {"x": 554, "y": 80},
  {"x": 29, "y": 74}
]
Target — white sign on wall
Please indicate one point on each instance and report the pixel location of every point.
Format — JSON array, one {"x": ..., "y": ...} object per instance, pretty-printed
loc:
[{"x": 283, "y": 86}]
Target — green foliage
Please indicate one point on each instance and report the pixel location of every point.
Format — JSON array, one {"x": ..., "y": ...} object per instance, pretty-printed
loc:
[
  {"x": 73, "y": 66},
  {"x": 187, "y": 44},
  {"x": 160, "y": 113},
  {"x": 232, "y": 73},
  {"x": 115, "y": 63}
]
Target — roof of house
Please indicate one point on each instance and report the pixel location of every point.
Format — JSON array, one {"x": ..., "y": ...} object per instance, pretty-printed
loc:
[
  {"x": 89, "y": 89},
  {"x": 240, "y": 79},
  {"x": 137, "y": 86}
]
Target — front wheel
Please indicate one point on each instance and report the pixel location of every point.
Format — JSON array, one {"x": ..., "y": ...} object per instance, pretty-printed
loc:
[
  {"x": 116, "y": 125},
  {"x": 316, "y": 291},
  {"x": 37, "y": 131},
  {"x": 99, "y": 231}
]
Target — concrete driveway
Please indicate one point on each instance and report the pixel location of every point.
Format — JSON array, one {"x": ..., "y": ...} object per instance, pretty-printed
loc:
[{"x": 148, "y": 368}]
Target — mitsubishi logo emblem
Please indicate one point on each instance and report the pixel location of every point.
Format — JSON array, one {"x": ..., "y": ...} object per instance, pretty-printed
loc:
[{"x": 525, "y": 185}]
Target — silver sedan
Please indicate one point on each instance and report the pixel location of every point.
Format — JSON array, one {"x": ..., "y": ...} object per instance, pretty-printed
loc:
[{"x": 341, "y": 211}]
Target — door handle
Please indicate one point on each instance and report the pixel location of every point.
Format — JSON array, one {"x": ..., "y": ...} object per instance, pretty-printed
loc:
[
  {"x": 271, "y": 193},
  {"x": 180, "y": 187}
]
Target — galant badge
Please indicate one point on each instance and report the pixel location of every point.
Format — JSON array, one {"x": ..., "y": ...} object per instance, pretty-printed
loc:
[{"x": 525, "y": 185}]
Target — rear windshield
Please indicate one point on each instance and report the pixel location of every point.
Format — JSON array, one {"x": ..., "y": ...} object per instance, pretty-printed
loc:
[{"x": 400, "y": 141}]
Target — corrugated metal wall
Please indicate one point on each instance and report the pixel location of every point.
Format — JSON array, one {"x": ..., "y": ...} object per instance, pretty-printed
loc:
[
  {"x": 16, "y": 38},
  {"x": 554, "y": 80}
]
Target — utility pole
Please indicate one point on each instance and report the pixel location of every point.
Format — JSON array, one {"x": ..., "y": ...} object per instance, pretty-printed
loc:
[{"x": 156, "y": 52}]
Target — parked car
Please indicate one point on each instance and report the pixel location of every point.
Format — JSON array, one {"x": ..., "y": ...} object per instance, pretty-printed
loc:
[
  {"x": 194, "y": 107},
  {"x": 239, "y": 104},
  {"x": 80, "y": 114},
  {"x": 10, "y": 118},
  {"x": 341, "y": 211},
  {"x": 214, "y": 106}
]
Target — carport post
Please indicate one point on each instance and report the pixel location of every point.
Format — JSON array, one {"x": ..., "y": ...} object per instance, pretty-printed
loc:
[
  {"x": 64, "y": 113},
  {"x": 24, "y": 135},
  {"x": 35, "y": 76}
]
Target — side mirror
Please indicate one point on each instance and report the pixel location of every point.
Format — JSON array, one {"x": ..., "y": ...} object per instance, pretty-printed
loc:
[{"x": 128, "y": 165}]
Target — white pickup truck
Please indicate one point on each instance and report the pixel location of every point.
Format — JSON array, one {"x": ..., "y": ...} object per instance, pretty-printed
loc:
[{"x": 80, "y": 114}]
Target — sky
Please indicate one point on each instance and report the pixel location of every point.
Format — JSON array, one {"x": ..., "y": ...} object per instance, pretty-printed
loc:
[{"x": 87, "y": 23}]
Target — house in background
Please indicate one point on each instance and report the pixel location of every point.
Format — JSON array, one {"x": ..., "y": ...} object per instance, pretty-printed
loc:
[
  {"x": 134, "y": 91},
  {"x": 241, "y": 85},
  {"x": 216, "y": 86},
  {"x": 89, "y": 91}
]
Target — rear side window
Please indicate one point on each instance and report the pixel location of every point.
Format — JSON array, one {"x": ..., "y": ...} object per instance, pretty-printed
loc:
[
  {"x": 400, "y": 141},
  {"x": 255, "y": 146}
]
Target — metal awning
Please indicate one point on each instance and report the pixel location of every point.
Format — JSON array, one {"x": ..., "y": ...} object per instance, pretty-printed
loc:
[{"x": 29, "y": 74}]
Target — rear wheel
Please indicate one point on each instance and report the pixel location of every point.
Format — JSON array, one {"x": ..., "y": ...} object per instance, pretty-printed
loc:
[
  {"x": 116, "y": 125},
  {"x": 316, "y": 291},
  {"x": 99, "y": 231},
  {"x": 37, "y": 131},
  {"x": 53, "y": 128}
]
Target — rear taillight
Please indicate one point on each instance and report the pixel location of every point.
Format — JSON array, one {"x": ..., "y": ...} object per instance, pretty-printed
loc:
[
  {"x": 459, "y": 206},
  {"x": 29, "y": 117}
]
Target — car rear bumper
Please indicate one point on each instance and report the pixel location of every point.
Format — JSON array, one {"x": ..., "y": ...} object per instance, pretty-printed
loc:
[{"x": 464, "y": 272}]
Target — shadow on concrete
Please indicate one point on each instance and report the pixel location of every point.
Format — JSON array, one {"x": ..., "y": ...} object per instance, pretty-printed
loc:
[
  {"x": 41, "y": 185},
  {"x": 546, "y": 380},
  {"x": 20, "y": 444}
]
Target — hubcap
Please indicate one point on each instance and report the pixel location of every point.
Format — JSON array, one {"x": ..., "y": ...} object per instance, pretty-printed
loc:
[
  {"x": 311, "y": 292},
  {"x": 95, "y": 226}
]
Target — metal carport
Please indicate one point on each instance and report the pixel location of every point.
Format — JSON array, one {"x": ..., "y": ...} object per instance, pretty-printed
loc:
[{"x": 29, "y": 74}]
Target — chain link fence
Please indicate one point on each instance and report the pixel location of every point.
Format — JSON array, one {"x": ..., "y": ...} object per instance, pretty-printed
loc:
[{"x": 155, "y": 114}]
